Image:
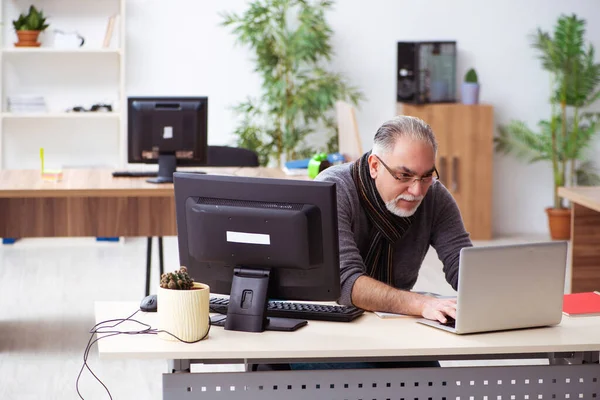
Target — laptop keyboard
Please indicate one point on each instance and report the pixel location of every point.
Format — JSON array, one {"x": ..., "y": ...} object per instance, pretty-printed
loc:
[{"x": 450, "y": 322}]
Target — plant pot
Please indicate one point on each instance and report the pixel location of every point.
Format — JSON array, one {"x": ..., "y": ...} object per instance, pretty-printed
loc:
[
  {"x": 28, "y": 39},
  {"x": 470, "y": 93},
  {"x": 559, "y": 221},
  {"x": 184, "y": 313}
]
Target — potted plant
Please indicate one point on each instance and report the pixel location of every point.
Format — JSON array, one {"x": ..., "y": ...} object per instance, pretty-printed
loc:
[
  {"x": 291, "y": 41},
  {"x": 29, "y": 27},
  {"x": 470, "y": 88},
  {"x": 182, "y": 307},
  {"x": 562, "y": 139}
]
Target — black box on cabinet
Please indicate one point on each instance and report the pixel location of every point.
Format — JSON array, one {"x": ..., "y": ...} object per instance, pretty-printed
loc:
[{"x": 426, "y": 72}]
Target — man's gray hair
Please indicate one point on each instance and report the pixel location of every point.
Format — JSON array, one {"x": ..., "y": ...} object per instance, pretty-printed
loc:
[{"x": 402, "y": 126}]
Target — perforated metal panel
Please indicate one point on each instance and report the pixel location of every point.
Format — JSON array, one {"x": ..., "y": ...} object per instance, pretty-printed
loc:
[{"x": 461, "y": 383}]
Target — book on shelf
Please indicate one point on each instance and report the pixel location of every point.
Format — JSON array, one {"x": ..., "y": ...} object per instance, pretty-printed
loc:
[
  {"x": 581, "y": 304},
  {"x": 111, "y": 30}
]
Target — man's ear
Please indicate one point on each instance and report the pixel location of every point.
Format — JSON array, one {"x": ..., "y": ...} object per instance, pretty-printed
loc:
[{"x": 373, "y": 165}]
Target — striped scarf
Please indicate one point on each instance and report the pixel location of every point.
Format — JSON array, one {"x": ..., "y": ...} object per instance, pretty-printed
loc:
[{"x": 387, "y": 228}]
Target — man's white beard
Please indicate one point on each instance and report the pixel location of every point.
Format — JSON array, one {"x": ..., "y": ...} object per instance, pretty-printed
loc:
[{"x": 392, "y": 205}]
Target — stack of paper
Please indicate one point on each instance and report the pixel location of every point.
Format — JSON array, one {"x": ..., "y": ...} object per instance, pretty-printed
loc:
[{"x": 26, "y": 104}]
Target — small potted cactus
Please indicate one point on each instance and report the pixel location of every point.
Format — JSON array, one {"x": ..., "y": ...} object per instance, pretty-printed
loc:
[
  {"x": 182, "y": 306},
  {"x": 470, "y": 88}
]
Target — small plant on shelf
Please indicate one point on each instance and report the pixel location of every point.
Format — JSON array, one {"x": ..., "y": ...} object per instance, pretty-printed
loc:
[
  {"x": 470, "y": 88},
  {"x": 471, "y": 76},
  {"x": 29, "y": 26},
  {"x": 177, "y": 280}
]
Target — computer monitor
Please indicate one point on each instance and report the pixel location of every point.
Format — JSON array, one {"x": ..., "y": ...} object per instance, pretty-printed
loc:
[
  {"x": 258, "y": 239},
  {"x": 170, "y": 131}
]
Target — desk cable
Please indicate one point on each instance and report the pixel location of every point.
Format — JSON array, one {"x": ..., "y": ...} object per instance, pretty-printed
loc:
[{"x": 101, "y": 328}]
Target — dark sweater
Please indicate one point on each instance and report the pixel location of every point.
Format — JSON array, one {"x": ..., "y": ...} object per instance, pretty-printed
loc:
[{"x": 437, "y": 223}]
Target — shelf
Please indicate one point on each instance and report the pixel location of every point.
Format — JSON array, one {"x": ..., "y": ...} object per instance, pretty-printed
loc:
[
  {"x": 45, "y": 50},
  {"x": 63, "y": 115}
]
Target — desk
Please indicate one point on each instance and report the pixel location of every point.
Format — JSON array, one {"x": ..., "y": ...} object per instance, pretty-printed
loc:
[
  {"x": 90, "y": 202},
  {"x": 585, "y": 236},
  {"x": 369, "y": 338}
]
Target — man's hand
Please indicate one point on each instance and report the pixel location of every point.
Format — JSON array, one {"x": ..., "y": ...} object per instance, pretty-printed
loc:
[
  {"x": 438, "y": 309},
  {"x": 370, "y": 294}
]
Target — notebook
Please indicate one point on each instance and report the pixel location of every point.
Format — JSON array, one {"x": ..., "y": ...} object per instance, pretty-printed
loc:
[
  {"x": 582, "y": 304},
  {"x": 509, "y": 287}
]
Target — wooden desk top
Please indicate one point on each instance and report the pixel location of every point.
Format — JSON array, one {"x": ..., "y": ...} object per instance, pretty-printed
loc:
[
  {"x": 587, "y": 196},
  {"x": 100, "y": 182},
  {"x": 367, "y": 336}
]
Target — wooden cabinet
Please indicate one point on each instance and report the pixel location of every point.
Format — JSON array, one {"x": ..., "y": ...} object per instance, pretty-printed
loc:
[{"x": 465, "y": 156}]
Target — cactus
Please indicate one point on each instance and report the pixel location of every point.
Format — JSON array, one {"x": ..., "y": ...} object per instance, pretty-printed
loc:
[
  {"x": 178, "y": 280},
  {"x": 471, "y": 76}
]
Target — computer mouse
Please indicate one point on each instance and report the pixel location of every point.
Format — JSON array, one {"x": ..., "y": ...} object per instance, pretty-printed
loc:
[{"x": 149, "y": 303}]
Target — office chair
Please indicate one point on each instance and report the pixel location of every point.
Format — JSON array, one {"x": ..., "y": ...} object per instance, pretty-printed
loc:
[
  {"x": 225, "y": 156},
  {"x": 218, "y": 156}
]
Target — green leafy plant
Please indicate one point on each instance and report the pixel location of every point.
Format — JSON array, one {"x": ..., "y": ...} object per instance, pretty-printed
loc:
[
  {"x": 290, "y": 40},
  {"x": 471, "y": 76},
  {"x": 33, "y": 21},
  {"x": 178, "y": 280},
  {"x": 562, "y": 139}
]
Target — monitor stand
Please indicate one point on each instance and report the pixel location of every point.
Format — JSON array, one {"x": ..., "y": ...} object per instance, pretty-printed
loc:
[
  {"x": 167, "y": 164},
  {"x": 248, "y": 304}
]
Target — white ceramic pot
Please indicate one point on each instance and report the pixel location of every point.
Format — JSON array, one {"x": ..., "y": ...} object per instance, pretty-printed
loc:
[
  {"x": 184, "y": 313},
  {"x": 470, "y": 93}
]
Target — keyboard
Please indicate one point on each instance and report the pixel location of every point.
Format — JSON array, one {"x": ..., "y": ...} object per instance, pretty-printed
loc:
[
  {"x": 135, "y": 174},
  {"x": 450, "y": 322},
  {"x": 285, "y": 309}
]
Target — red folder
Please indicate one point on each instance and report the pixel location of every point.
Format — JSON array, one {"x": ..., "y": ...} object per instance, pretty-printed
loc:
[{"x": 582, "y": 304}]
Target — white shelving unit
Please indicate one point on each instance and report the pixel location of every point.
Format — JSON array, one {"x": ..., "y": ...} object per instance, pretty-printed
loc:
[{"x": 66, "y": 78}]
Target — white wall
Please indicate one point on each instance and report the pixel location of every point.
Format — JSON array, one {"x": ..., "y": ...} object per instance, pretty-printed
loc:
[{"x": 179, "y": 48}]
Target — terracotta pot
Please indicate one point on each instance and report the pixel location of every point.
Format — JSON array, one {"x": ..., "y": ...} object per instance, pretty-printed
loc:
[
  {"x": 28, "y": 39},
  {"x": 559, "y": 221}
]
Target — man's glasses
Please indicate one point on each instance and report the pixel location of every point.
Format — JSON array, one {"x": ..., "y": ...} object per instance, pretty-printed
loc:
[{"x": 408, "y": 178}]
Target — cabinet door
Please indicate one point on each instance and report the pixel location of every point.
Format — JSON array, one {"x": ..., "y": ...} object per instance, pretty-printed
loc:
[{"x": 470, "y": 159}]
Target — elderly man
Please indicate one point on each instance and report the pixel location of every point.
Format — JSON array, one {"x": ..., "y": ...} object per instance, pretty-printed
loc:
[{"x": 391, "y": 208}]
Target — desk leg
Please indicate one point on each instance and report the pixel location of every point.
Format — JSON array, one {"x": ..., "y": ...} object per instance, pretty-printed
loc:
[
  {"x": 160, "y": 257},
  {"x": 585, "y": 239},
  {"x": 178, "y": 366},
  {"x": 148, "y": 264}
]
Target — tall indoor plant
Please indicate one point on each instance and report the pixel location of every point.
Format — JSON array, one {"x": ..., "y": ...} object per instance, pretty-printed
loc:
[
  {"x": 563, "y": 138},
  {"x": 291, "y": 44}
]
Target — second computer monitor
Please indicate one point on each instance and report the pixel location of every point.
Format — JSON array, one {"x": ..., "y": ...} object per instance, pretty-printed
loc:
[
  {"x": 257, "y": 239},
  {"x": 168, "y": 131}
]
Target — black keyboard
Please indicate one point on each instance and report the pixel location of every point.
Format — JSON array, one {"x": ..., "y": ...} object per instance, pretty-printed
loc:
[
  {"x": 284, "y": 309},
  {"x": 135, "y": 174}
]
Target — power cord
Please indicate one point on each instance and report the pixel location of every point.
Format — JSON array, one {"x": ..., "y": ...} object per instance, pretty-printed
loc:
[{"x": 106, "y": 330}]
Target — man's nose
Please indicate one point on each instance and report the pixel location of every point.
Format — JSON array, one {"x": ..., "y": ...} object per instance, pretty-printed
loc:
[{"x": 416, "y": 188}]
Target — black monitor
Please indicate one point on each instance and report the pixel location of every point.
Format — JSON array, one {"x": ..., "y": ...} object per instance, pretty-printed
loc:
[
  {"x": 258, "y": 239},
  {"x": 169, "y": 131}
]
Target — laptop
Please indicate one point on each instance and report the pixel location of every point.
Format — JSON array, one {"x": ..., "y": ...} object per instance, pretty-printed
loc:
[{"x": 509, "y": 287}]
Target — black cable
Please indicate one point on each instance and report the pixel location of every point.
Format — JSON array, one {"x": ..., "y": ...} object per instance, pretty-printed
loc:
[{"x": 98, "y": 329}]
